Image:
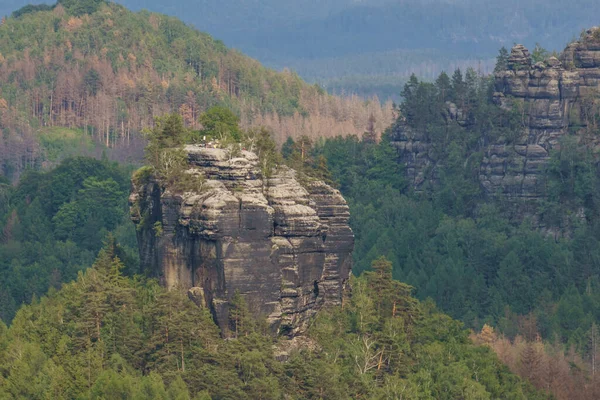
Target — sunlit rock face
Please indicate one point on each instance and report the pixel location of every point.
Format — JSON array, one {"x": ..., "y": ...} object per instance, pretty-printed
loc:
[{"x": 283, "y": 244}]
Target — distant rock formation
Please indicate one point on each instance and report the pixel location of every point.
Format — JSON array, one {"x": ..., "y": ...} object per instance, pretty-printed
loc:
[
  {"x": 283, "y": 244},
  {"x": 556, "y": 97}
]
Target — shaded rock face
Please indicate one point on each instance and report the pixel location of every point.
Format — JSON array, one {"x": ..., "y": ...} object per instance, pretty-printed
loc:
[
  {"x": 555, "y": 97},
  {"x": 286, "y": 247}
]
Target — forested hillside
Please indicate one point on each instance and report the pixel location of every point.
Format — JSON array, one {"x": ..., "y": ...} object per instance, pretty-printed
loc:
[
  {"x": 341, "y": 42},
  {"x": 115, "y": 334},
  {"x": 108, "y": 336},
  {"x": 97, "y": 68}
]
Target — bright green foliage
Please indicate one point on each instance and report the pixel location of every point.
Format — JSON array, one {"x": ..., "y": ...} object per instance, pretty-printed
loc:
[
  {"x": 220, "y": 123},
  {"x": 383, "y": 344},
  {"x": 106, "y": 336},
  {"x": 167, "y": 160},
  {"x": 168, "y": 131},
  {"x": 260, "y": 141},
  {"x": 60, "y": 143},
  {"x": 539, "y": 54}
]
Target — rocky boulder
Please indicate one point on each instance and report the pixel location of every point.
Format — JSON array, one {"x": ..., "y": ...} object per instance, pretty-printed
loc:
[{"x": 280, "y": 241}]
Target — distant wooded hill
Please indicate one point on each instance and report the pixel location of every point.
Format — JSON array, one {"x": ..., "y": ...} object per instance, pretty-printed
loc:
[
  {"x": 333, "y": 41},
  {"x": 97, "y": 67}
]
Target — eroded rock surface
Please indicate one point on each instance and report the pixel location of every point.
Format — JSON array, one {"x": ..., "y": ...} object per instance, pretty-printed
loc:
[
  {"x": 556, "y": 98},
  {"x": 286, "y": 247}
]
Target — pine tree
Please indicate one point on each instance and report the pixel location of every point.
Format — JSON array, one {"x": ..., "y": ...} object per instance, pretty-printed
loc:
[
  {"x": 240, "y": 320},
  {"x": 370, "y": 136},
  {"x": 443, "y": 87},
  {"x": 459, "y": 90},
  {"x": 501, "y": 60}
]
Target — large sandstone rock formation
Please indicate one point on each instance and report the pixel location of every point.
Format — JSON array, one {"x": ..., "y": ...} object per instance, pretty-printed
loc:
[
  {"x": 557, "y": 97},
  {"x": 285, "y": 246}
]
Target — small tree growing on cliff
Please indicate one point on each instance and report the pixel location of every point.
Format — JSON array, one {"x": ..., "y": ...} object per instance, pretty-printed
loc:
[
  {"x": 260, "y": 140},
  {"x": 539, "y": 53},
  {"x": 168, "y": 131},
  {"x": 221, "y": 123},
  {"x": 240, "y": 321},
  {"x": 168, "y": 160}
]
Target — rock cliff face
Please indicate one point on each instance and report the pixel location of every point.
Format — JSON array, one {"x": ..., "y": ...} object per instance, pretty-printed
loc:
[
  {"x": 554, "y": 98},
  {"x": 284, "y": 246}
]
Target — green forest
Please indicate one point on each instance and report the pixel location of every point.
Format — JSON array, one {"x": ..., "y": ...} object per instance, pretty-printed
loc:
[
  {"x": 112, "y": 333},
  {"x": 107, "y": 336},
  {"x": 53, "y": 224},
  {"x": 464, "y": 250},
  {"x": 118, "y": 334},
  {"x": 452, "y": 296}
]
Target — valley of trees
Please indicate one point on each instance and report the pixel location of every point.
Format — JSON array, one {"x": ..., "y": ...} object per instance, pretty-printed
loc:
[
  {"x": 113, "y": 333},
  {"x": 468, "y": 258}
]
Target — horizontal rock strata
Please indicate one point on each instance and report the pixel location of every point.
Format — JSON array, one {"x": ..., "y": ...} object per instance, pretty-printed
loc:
[
  {"x": 557, "y": 97},
  {"x": 286, "y": 247}
]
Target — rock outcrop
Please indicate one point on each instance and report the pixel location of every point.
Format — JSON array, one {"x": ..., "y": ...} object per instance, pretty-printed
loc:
[
  {"x": 282, "y": 243},
  {"x": 554, "y": 98}
]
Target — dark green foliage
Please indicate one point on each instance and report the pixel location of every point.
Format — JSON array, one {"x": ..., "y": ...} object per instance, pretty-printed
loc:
[
  {"x": 53, "y": 223},
  {"x": 92, "y": 82},
  {"x": 501, "y": 60},
  {"x": 168, "y": 131},
  {"x": 80, "y": 7},
  {"x": 73, "y": 7},
  {"x": 458, "y": 247},
  {"x": 167, "y": 160},
  {"x": 30, "y": 8}
]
